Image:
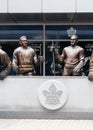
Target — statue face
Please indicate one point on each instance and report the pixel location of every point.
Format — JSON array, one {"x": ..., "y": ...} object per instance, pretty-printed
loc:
[
  {"x": 24, "y": 43},
  {"x": 73, "y": 41}
]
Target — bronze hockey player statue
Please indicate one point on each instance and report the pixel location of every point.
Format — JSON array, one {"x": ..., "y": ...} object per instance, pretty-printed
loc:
[
  {"x": 5, "y": 64},
  {"x": 90, "y": 75},
  {"x": 73, "y": 58},
  {"x": 24, "y": 58}
]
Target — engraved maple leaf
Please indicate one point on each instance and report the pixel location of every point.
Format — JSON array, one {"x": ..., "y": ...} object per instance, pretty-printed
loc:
[{"x": 52, "y": 93}]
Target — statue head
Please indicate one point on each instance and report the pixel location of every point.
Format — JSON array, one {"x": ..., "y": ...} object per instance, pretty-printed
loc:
[
  {"x": 74, "y": 40},
  {"x": 23, "y": 41}
]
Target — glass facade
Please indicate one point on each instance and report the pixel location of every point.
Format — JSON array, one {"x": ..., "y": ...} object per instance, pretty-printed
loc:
[
  {"x": 33, "y": 32},
  {"x": 64, "y": 31}
]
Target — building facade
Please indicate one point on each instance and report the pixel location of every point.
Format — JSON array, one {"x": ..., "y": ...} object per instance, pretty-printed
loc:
[{"x": 46, "y": 23}]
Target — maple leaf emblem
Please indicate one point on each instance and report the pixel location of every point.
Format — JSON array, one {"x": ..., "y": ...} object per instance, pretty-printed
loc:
[
  {"x": 52, "y": 95},
  {"x": 71, "y": 31}
]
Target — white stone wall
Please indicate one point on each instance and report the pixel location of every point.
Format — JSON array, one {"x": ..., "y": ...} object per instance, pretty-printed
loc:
[
  {"x": 3, "y": 6},
  {"x": 59, "y": 6},
  {"x": 24, "y": 6},
  {"x": 21, "y": 93},
  {"x": 45, "y": 6},
  {"x": 84, "y": 6}
]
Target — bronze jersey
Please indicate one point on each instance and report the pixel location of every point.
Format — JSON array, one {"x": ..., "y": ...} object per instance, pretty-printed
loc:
[
  {"x": 5, "y": 63},
  {"x": 72, "y": 56},
  {"x": 90, "y": 75},
  {"x": 24, "y": 59}
]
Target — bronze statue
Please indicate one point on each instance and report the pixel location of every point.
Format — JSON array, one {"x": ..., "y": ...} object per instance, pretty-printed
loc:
[
  {"x": 90, "y": 75},
  {"x": 24, "y": 58},
  {"x": 5, "y": 64},
  {"x": 73, "y": 58}
]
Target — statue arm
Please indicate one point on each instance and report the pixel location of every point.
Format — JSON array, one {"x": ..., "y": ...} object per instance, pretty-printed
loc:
[
  {"x": 81, "y": 59},
  {"x": 6, "y": 63},
  {"x": 15, "y": 62},
  {"x": 62, "y": 56}
]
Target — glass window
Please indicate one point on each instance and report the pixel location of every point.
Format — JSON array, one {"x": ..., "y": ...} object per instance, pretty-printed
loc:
[
  {"x": 64, "y": 31},
  {"x": 34, "y": 32}
]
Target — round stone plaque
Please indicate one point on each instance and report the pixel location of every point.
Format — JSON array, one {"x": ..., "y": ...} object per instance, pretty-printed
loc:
[{"x": 52, "y": 94}]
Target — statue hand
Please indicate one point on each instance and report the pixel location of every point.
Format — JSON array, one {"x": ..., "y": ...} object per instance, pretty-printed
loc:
[
  {"x": 2, "y": 75},
  {"x": 41, "y": 59},
  {"x": 52, "y": 49}
]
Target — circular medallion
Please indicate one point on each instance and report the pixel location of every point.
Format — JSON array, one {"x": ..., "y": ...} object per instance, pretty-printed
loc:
[{"x": 52, "y": 94}]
